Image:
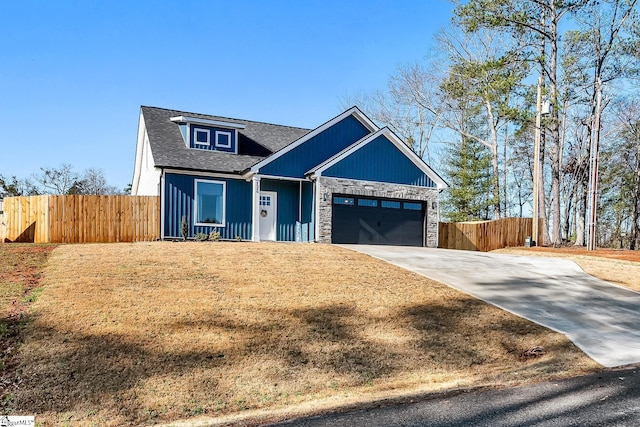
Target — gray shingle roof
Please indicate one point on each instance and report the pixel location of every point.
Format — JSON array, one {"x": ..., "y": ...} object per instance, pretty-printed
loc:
[{"x": 256, "y": 141}]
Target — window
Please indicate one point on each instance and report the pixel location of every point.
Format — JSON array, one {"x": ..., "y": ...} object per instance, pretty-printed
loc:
[
  {"x": 209, "y": 203},
  {"x": 390, "y": 204},
  {"x": 413, "y": 206},
  {"x": 368, "y": 202},
  {"x": 201, "y": 136},
  {"x": 343, "y": 201},
  {"x": 223, "y": 139},
  {"x": 265, "y": 200}
]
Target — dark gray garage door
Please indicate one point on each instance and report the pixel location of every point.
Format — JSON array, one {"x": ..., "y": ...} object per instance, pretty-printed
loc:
[{"x": 377, "y": 221}]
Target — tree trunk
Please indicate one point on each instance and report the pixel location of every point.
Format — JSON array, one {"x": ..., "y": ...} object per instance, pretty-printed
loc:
[
  {"x": 505, "y": 208},
  {"x": 567, "y": 211},
  {"x": 556, "y": 155},
  {"x": 494, "y": 160},
  {"x": 581, "y": 214},
  {"x": 635, "y": 208}
]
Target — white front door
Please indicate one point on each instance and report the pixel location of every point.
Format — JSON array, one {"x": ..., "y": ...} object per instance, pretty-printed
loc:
[{"x": 268, "y": 213}]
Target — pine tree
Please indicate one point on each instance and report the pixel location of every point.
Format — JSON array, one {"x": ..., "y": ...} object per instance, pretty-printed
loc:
[{"x": 467, "y": 165}]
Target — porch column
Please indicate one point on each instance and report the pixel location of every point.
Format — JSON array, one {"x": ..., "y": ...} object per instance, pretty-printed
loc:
[{"x": 255, "y": 208}]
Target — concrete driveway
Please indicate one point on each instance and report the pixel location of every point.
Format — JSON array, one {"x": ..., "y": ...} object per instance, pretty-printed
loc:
[{"x": 601, "y": 318}]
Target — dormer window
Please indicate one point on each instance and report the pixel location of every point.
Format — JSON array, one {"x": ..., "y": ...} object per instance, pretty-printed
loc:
[
  {"x": 206, "y": 134},
  {"x": 223, "y": 139},
  {"x": 203, "y": 137}
]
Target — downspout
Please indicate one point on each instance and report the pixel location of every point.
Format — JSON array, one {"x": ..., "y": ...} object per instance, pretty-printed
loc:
[{"x": 162, "y": 201}]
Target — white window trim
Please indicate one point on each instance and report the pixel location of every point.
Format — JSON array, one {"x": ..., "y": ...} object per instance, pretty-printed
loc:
[
  {"x": 195, "y": 140},
  {"x": 228, "y": 134},
  {"x": 195, "y": 203}
]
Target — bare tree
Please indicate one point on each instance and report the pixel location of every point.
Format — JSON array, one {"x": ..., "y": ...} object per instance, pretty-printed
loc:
[
  {"x": 399, "y": 108},
  {"x": 56, "y": 180},
  {"x": 93, "y": 181}
]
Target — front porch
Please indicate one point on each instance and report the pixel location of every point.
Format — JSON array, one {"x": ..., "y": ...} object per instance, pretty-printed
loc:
[{"x": 282, "y": 209}]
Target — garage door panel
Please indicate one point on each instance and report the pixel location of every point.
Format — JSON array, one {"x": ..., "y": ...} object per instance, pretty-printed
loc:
[{"x": 367, "y": 220}]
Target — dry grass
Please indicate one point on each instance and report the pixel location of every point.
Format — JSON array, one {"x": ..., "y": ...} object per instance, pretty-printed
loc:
[
  {"x": 615, "y": 266},
  {"x": 155, "y": 332},
  {"x": 20, "y": 269}
]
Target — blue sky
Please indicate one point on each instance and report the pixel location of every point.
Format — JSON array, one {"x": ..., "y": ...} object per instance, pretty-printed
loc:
[{"x": 73, "y": 74}]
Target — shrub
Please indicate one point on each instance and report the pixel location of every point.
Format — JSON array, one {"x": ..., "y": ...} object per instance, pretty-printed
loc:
[
  {"x": 184, "y": 228},
  {"x": 201, "y": 237},
  {"x": 214, "y": 236}
]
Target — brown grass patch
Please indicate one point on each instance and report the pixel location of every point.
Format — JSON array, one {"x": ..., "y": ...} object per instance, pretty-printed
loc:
[
  {"x": 621, "y": 267},
  {"x": 155, "y": 332},
  {"x": 20, "y": 272}
]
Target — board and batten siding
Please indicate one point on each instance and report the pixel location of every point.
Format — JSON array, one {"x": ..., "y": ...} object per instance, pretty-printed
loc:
[
  {"x": 379, "y": 161},
  {"x": 316, "y": 150},
  {"x": 179, "y": 200}
]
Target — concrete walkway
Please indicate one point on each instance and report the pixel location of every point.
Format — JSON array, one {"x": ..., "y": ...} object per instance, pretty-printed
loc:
[{"x": 601, "y": 318}]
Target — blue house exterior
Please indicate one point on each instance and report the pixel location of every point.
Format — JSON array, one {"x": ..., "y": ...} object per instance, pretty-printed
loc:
[{"x": 347, "y": 181}]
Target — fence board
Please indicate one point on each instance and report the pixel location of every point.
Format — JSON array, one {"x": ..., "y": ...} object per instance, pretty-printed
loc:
[
  {"x": 484, "y": 236},
  {"x": 81, "y": 219},
  {"x": 25, "y": 219}
]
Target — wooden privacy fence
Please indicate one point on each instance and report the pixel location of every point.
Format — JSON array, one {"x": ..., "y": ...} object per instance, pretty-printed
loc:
[
  {"x": 484, "y": 236},
  {"x": 80, "y": 219}
]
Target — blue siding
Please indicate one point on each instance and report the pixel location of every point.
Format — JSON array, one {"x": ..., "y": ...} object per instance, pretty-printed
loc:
[
  {"x": 380, "y": 161},
  {"x": 288, "y": 205},
  {"x": 307, "y": 202},
  {"x": 178, "y": 202},
  {"x": 212, "y": 137},
  {"x": 316, "y": 150}
]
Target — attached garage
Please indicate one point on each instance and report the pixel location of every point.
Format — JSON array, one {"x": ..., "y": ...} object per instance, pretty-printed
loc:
[
  {"x": 377, "y": 221},
  {"x": 377, "y": 192}
]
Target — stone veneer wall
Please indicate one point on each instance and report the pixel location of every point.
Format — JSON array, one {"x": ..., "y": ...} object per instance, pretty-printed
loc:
[{"x": 326, "y": 187}]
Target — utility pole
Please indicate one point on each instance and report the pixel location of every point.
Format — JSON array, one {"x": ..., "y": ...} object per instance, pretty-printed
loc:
[
  {"x": 536, "y": 165},
  {"x": 593, "y": 179}
]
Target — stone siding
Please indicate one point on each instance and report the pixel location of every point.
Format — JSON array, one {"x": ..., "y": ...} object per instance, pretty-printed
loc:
[{"x": 327, "y": 187}]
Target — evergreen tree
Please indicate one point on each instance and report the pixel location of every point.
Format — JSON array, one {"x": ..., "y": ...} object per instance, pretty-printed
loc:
[{"x": 467, "y": 165}]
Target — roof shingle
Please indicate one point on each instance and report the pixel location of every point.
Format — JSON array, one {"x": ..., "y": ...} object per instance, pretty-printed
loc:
[{"x": 255, "y": 142}]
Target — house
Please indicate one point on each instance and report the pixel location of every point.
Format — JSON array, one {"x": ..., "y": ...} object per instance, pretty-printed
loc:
[{"x": 347, "y": 181}]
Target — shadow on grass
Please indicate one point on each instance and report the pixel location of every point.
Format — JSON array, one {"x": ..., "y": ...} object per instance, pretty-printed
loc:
[{"x": 330, "y": 342}]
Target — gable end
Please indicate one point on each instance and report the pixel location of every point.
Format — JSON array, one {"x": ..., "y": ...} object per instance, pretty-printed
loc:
[{"x": 380, "y": 157}]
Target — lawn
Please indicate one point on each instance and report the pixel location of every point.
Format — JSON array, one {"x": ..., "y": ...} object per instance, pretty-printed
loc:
[
  {"x": 20, "y": 273},
  {"x": 131, "y": 334}
]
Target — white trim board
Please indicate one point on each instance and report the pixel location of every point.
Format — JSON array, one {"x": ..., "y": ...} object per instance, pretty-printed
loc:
[
  {"x": 353, "y": 111},
  {"x": 201, "y": 173},
  {"x": 397, "y": 142},
  {"x": 229, "y": 139},
  {"x": 282, "y": 178},
  {"x": 199, "y": 121},
  {"x": 201, "y": 130}
]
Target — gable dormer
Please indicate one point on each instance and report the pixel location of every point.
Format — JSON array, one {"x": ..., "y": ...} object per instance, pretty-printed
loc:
[{"x": 205, "y": 134}]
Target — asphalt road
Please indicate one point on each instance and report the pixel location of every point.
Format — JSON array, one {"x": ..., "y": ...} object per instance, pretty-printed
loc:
[
  {"x": 609, "y": 398},
  {"x": 601, "y": 318}
]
